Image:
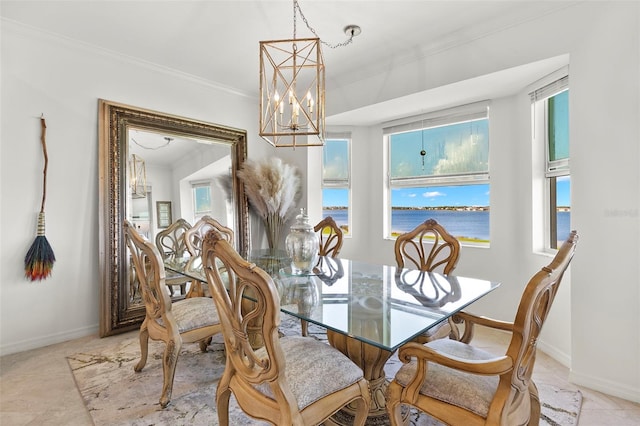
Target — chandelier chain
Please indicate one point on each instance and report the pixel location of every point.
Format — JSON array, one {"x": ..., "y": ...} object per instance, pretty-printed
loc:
[
  {"x": 153, "y": 148},
  {"x": 296, "y": 5}
]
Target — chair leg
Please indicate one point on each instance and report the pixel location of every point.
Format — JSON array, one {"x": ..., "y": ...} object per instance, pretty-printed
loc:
[
  {"x": 363, "y": 405},
  {"x": 305, "y": 328},
  {"x": 169, "y": 361},
  {"x": 204, "y": 344},
  {"x": 393, "y": 404},
  {"x": 455, "y": 332},
  {"x": 222, "y": 404},
  {"x": 534, "y": 420},
  {"x": 144, "y": 347},
  {"x": 195, "y": 290}
]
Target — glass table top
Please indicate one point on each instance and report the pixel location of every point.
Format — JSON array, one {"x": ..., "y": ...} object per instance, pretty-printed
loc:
[{"x": 377, "y": 304}]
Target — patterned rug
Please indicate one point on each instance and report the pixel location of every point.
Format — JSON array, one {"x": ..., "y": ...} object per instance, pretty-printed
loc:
[{"x": 115, "y": 395}]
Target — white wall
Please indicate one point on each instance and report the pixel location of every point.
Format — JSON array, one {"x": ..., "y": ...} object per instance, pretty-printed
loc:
[
  {"x": 600, "y": 300},
  {"x": 44, "y": 74},
  {"x": 597, "y": 311}
]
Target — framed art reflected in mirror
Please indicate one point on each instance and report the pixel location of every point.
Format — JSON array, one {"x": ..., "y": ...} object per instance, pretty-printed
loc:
[{"x": 163, "y": 209}]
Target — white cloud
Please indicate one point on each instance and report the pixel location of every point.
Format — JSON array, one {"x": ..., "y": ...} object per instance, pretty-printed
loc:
[{"x": 432, "y": 194}]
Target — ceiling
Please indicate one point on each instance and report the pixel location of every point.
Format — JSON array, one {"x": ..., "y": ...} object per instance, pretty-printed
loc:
[{"x": 218, "y": 41}]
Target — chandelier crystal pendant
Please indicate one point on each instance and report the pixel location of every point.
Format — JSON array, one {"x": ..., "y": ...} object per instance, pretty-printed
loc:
[{"x": 292, "y": 85}]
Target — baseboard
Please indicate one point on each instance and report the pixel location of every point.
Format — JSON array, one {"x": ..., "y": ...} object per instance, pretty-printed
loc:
[
  {"x": 605, "y": 386},
  {"x": 49, "y": 339},
  {"x": 555, "y": 353}
]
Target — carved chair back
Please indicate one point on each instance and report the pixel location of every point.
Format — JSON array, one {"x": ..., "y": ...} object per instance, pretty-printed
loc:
[
  {"x": 411, "y": 253},
  {"x": 330, "y": 236},
  {"x": 194, "y": 236},
  {"x": 171, "y": 244},
  {"x": 170, "y": 241},
  {"x": 232, "y": 281},
  {"x": 534, "y": 307},
  {"x": 410, "y": 248},
  {"x": 150, "y": 274}
]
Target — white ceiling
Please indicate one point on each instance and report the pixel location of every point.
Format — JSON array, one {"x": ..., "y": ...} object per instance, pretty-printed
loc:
[{"x": 218, "y": 41}]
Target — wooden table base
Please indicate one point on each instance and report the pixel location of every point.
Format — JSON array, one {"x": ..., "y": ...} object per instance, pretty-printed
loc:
[{"x": 372, "y": 360}]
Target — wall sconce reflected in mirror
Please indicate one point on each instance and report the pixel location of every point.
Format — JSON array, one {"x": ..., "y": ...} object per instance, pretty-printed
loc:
[{"x": 137, "y": 177}]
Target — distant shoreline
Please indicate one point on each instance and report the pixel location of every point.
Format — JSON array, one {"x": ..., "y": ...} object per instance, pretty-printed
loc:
[
  {"x": 448, "y": 208},
  {"x": 464, "y": 223}
]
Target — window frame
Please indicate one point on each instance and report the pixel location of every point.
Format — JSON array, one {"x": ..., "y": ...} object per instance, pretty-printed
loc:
[
  {"x": 200, "y": 184},
  {"x": 451, "y": 116},
  {"x": 546, "y": 89},
  {"x": 338, "y": 183}
]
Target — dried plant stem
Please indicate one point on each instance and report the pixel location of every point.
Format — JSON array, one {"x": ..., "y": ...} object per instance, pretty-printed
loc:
[{"x": 273, "y": 224}]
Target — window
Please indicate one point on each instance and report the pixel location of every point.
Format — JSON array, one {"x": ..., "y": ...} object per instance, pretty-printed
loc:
[
  {"x": 201, "y": 200},
  {"x": 439, "y": 168},
  {"x": 551, "y": 126},
  {"x": 336, "y": 179}
]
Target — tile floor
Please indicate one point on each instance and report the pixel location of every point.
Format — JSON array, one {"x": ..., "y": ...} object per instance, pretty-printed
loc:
[{"x": 37, "y": 387}]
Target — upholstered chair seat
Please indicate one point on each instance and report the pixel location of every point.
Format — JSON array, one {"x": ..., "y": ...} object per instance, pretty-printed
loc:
[
  {"x": 469, "y": 391},
  {"x": 307, "y": 365},
  {"x": 193, "y": 313}
]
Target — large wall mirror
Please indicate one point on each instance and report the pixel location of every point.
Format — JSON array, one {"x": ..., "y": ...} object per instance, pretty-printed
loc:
[{"x": 156, "y": 169}]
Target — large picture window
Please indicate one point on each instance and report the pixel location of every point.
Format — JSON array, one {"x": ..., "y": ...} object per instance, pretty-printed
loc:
[
  {"x": 439, "y": 168},
  {"x": 550, "y": 105},
  {"x": 336, "y": 179}
]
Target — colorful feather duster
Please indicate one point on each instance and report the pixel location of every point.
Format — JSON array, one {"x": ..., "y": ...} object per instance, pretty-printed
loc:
[{"x": 39, "y": 260}]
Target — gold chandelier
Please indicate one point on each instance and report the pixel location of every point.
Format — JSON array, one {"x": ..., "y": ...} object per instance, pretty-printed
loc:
[{"x": 292, "y": 95}]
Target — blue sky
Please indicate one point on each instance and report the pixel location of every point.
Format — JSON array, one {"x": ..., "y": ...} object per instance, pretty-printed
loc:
[
  {"x": 435, "y": 196},
  {"x": 563, "y": 191},
  {"x": 475, "y": 195}
]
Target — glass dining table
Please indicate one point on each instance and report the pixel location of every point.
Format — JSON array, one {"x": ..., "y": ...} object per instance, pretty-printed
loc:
[{"x": 369, "y": 310}]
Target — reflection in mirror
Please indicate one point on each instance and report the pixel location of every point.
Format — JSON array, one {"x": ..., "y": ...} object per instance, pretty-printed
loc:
[
  {"x": 189, "y": 178},
  {"x": 156, "y": 169}
]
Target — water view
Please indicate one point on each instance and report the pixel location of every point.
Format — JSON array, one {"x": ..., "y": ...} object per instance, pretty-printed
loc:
[{"x": 469, "y": 225}]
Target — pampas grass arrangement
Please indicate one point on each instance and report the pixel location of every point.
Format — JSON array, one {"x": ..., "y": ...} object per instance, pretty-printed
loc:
[{"x": 273, "y": 189}]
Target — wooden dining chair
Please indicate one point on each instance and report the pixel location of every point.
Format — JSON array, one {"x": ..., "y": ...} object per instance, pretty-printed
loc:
[
  {"x": 171, "y": 244},
  {"x": 189, "y": 320},
  {"x": 330, "y": 236},
  {"x": 292, "y": 380},
  {"x": 411, "y": 252},
  {"x": 193, "y": 238},
  {"x": 461, "y": 384}
]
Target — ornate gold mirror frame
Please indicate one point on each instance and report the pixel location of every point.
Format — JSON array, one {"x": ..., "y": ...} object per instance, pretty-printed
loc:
[{"x": 118, "y": 311}]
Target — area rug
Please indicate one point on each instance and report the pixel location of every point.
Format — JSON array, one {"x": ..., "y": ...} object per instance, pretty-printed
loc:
[{"x": 115, "y": 395}]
